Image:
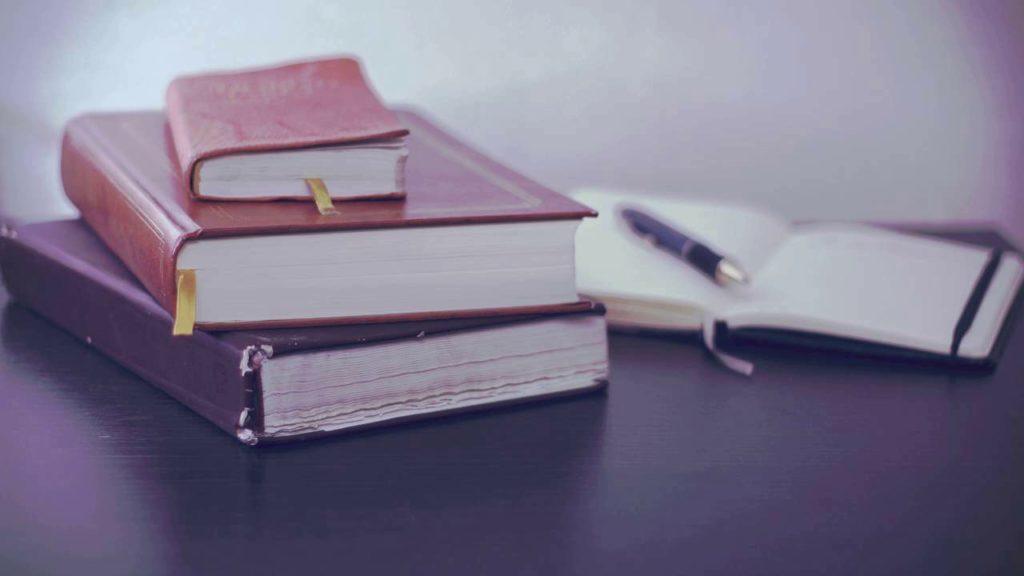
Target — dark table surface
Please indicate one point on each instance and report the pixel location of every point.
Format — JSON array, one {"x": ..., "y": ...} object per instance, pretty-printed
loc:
[{"x": 819, "y": 464}]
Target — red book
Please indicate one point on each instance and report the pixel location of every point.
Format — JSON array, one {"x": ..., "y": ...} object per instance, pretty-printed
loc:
[
  {"x": 473, "y": 238},
  {"x": 258, "y": 134}
]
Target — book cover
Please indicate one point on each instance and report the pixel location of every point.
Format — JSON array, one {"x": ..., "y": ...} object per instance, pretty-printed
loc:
[{"x": 316, "y": 103}]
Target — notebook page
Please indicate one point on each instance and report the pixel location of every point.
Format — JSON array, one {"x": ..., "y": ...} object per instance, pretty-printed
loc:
[
  {"x": 614, "y": 265},
  {"x": 865, "y": 283}
]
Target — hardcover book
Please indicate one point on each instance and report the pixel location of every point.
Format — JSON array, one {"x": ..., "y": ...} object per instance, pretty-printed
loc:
[
  {"x": 261, "y": 134},
  {"x": 274, "y": 385},
  {"x": 473, "y": 239}
]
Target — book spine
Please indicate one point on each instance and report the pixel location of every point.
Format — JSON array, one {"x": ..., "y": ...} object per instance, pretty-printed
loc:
[
  {"x": 122, "y": 322},
  {"x": 120, "y": 212}
]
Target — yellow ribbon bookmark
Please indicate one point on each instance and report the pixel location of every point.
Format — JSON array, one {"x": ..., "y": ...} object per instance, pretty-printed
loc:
[
  {"x": 320, "y": 196},
  {"x": 185, "y": 312}
]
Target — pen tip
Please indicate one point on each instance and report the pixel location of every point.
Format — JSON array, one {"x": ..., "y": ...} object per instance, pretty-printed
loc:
[{"x": 728, "y": 272}]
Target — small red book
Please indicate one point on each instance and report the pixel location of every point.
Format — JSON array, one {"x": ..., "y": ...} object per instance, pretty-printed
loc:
[
  {"x": 261, "y": 134},
  {"x": 473, "y": 238}
]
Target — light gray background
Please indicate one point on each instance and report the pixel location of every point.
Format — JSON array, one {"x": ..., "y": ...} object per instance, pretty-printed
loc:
[{"x": 907, "y": 110}]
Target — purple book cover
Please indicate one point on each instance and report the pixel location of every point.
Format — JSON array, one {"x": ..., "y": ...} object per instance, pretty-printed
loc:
[{"x": 64, "y": 273}]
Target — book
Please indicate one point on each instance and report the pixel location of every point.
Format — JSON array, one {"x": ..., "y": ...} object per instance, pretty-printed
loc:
[
  {"x": 260, "y": 134},
  {"x": 276, "y": 385},
  {"x": 831, "y": 284},
  {"x": 473, "y": 238}
]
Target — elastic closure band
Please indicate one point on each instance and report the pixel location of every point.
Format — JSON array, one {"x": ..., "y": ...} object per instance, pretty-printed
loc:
[{"x": 963, "y": 325}]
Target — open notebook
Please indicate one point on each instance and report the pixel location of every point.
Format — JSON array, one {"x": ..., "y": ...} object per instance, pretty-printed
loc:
[{"x": 832, "y": 283}]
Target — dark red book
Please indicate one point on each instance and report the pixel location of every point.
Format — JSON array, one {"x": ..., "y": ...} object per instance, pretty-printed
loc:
[
  {"x": 273, "y": 385},
  {"x": 473, "y": 238},
  {"x": 258, "y": 134}
]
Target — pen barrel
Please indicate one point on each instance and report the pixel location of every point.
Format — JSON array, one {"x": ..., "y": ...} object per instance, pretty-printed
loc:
[{"x": 702, "y": 258}]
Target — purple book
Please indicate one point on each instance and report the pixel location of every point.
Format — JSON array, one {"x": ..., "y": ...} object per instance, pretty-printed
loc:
[{"x": 272, "y": 385}]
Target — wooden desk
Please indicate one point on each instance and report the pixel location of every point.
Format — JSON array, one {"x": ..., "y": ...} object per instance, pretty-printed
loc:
[{"x": 819, "y": 464}]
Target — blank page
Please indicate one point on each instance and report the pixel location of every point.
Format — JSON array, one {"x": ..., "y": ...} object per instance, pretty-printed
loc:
[{"x": 865, "y": 283}]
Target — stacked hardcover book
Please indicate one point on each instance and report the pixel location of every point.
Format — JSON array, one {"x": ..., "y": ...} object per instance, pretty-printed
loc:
[{"x": 290, "y": 258}]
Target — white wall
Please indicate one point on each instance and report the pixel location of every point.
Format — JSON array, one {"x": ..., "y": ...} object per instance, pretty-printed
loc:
[{"x": 862, "y": 109}]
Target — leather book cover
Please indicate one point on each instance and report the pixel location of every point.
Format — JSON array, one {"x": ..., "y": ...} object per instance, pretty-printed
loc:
[
  {"x": 63, "y": 272},
  {"x": 316, "y": 103},
  {"x": 119, "y": 170}
]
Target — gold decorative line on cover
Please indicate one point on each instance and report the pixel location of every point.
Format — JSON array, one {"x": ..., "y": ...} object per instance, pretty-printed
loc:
[
  {"x": 320, "y": 196},
  {"x": 185, "y": 311},
  {"x": 527, "y": 200}
]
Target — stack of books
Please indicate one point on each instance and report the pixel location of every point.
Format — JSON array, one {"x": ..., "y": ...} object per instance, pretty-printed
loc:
[{"x": 289, "y": 258}]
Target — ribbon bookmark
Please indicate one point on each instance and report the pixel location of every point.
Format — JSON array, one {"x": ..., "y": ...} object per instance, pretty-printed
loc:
[
  {"x": 320, "y": 196},
  {"x": 185, "y": 311}
]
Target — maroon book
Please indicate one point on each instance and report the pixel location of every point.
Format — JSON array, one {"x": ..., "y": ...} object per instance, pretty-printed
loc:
[
  {"x": 506, "y": 240},
  {"x": 273, "y": 385},
  {"x": 320, "y": 103}
]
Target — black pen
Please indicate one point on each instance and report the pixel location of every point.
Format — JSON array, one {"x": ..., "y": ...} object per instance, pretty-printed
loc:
[{"x": 698, "y": 255}]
